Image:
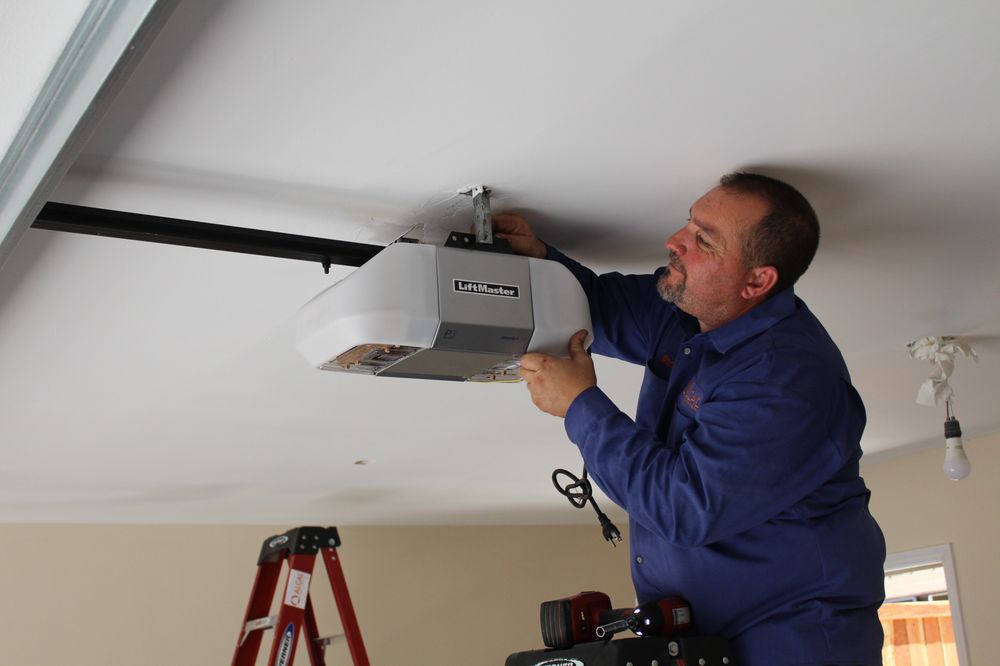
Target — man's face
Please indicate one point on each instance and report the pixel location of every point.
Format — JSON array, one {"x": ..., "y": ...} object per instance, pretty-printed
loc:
[{"x": 706, "y": 272}]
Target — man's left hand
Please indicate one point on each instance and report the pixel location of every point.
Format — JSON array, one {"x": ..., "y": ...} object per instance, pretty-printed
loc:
[{"x": 556, "y": 382}]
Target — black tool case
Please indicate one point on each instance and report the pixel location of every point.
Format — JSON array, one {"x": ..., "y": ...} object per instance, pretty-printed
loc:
[{"x": 651, "y": 651}]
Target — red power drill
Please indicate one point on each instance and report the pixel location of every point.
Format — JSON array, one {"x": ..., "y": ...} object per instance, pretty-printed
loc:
[
  {"x": 566, "y": 622},
  {"x": 653, "y": 618},
  {"x": 588, "y": 616}
]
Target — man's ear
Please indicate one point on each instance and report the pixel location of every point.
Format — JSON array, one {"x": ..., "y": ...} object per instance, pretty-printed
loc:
[{"x": 760, "y": 282}]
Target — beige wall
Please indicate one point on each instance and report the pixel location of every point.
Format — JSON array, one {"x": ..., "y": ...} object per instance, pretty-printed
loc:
[
  {"x": 169, "y": 595},
  {"x": 918, "y": 506}
]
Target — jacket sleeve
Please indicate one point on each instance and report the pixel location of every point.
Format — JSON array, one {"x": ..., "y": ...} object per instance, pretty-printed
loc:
[
  {"x": 619, "y": 309},
  {"x": 752, "y": 450}
]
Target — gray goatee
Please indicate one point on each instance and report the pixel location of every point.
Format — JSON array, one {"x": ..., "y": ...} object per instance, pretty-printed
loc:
[{"x": 672, "y": 293}]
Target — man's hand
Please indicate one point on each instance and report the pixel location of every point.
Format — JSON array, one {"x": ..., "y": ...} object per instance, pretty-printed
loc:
[
  {"x": 513, "y": 228},
  {"x": 556, "y": 382}
]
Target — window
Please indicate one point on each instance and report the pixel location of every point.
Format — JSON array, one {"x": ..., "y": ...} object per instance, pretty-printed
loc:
[{"x": 921, "y": 616}]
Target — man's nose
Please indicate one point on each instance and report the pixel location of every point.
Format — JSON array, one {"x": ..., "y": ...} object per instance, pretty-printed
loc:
[{"x": 676, "y": 243}]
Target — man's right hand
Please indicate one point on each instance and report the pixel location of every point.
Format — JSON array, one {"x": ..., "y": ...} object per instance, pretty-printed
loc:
[{"x": 512, "y": 228}]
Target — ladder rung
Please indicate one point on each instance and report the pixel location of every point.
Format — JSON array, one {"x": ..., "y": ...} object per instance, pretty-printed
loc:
[
  {"x": 260, "y": 623},
  {"x": 333, "y": 639}
]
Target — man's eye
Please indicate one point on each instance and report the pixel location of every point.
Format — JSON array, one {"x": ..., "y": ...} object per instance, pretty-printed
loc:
[{"x": 701, "y": 240}]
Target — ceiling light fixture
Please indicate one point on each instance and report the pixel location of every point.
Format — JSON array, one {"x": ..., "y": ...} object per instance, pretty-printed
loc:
[{"x": 940, "y": 351}]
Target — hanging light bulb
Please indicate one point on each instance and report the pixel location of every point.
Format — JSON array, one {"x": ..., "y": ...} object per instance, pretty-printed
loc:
[
  {"x": 956, "y": 463},
  {"x": 941, "y": 351}
]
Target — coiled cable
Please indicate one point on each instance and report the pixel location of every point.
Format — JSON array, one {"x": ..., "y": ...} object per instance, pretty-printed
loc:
[{"x": 579, "y": 492}]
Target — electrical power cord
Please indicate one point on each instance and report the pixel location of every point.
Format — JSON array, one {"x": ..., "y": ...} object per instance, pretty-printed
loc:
[{"x": 579, "y": 492}]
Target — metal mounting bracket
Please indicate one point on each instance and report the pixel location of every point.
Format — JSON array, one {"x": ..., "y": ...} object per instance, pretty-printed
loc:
[{"x": 481, "y": 214}]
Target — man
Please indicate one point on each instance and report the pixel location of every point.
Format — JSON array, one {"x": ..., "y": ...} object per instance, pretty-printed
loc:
[{"x": 740, "y": 471}]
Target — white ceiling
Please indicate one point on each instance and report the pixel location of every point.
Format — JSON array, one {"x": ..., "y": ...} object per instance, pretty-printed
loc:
[{"x": 147, "y": 383}]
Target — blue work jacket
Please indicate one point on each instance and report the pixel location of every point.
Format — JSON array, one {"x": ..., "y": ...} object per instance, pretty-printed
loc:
[{"x": 739, "y": 474}]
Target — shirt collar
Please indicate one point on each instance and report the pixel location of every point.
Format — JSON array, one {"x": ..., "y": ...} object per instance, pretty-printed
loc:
[{"x": 751, "y": 323}]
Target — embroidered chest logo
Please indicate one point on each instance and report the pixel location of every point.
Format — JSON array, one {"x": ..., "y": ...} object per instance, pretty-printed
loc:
[{"x": 692, "y": 396}]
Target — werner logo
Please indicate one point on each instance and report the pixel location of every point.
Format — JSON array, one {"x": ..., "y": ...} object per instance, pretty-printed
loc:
[
  {"x": 560, "y": 662},
  {"x": 487, "y": 288},
  {"x": 285, "y": 649}
]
